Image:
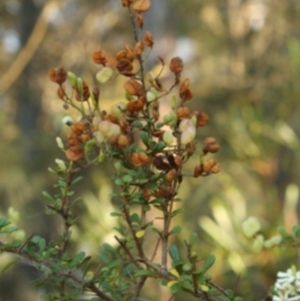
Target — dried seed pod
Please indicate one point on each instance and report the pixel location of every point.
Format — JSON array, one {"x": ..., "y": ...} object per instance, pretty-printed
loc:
[
  {"x": 99, "y": 57},
  {"x": 141, "y": 5},
  {"x": 183, "y": 112},
  {"x": 146, "y": 193},
  {"x": 176, "y": 65},
  {"x": 171, "y": 175},
  {"x": 198, "y": 170},
  {"x": 74, "y": 153},
  {"x": 126, "y": 3},
  {"x": 123, "y": 141},
  {"x": 208, "y": 165},
  {"x": 125, "y": 67},
  {"x": 148, "y": 39},
  {"x": 202, "y": 118},
  {"x": 134, "y": 88},
  {"x": 140, "y": 19},
  {"x": 139, "y": 48},
  {"x": 210, "y": 145},
  {"x": 160, "y": 162},
  {"x": 57, "y": 75},
  {"x": 185, "y": 92},
  {"x": 61, "y": 92},
  {"x": 178, "y": 161}
]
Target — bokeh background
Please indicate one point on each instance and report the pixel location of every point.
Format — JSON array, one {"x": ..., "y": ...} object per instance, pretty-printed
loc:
[{"x": 243, "y": 61}]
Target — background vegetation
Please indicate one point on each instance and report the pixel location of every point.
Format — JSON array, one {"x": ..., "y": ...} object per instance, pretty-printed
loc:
[{"x": 242, "y": 58}]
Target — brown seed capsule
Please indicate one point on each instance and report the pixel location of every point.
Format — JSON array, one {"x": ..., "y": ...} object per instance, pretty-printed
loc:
[
  {"x": 210, "y": 145},
  {"x": 61, "y": 93},
  {"x": 123, "y": 141},
  {"x": 202, "y": 118},
  {"x": 198, "y": 170},
  {"x": 58, "y": 75},
  {"x": 183, "y": 112},
  {"x": 185, "y": 92},
  {"x": 208, "y": 165},
  {"x": 178, "y": 161},
  {"x": 134, "y": 88},
  {"x": 126, "y": 3},
  {"x": 176, "y": 65},
  {"x": 148, "y": 39},
  {"x": 74, "y": 153},
  {"x": 146, "y": 193},
  {"x": 125, "y": 67},
  {"x": 141, "y": 5},
  {"x": 99, "y": 57},
  {"x": 216, "y": 168},
  {"x": 171, "y": 175},
  {"x": 139, "y": 48},
  {"x": 164, "y": 192}
]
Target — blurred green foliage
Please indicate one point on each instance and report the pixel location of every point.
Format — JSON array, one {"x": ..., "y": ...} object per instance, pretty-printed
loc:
[{"x": 242, "y": 58}]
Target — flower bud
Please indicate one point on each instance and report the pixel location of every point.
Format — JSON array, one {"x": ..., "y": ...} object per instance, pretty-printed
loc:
[
  {"x": 185, "y": 124},
  {"x": 168, "y": 137},
  {"x": 258, "y": 243},
  {"x": 99, "y": 138},
  {"x": 61, "y": 164},
  {"x": 188, "y": 135},
  {"x": 171, "y": 119},
  {"x": 104, "y": 75},
  {"x": 118, "y": 109},
  {"x": 174, "y": 102},
  {"x": 250, "y": 226},
  {"x": 273, "y": 241},
  {"x": 13, "y": 214},
  {"x": 79, "y": 85},
  {"x": 59, "y": 143},
  {"x": 19, "y": 234},
  {"x": 150, "y": 96},
  {"x": 101, "y": 157},
  {"x": 67, "y": 120},
  {"x": 72, "y": 78}
]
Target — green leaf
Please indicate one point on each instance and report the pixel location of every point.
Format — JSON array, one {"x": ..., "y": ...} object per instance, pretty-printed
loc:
[
  {"x": 137, "y": 124},
  {"x": 77, "y": 260},
  {"x": 135, "y": 219},
  {"x": 145, "y": 137},
  {"x": 160, "y": 146},
  {"x": 160, "y": 201},
  {"x": 8, "y": 266},
  {"x": 174, "y": 253},
  {"x": 9, "y": 229},
  {"x": 176, "y": 212},
  {"x": 296, "y": 230},
  {"x": 187, "y": 266},
  {"x": 188, "y": 285},
  {"x": 210, "y": 260},
  {"x": 118, "y": 182},
  {"x": 193, "y": 239},
  {"x": 76, "y": 180},
  {"x": 175, "y": 287},
  {"x": 89, "y": 146},
  {"x": 175, "y": 230},
  {"x": 139, "y": 273},
  {"x": 127, "y": 179},
  {"x": 41, "y": 242},
  {"x": 16, "y": 243},
  {"x": 118, "y": 214},
  {"x": 48, "y": 196},
  {"x": 108, "y": 248},
  {"x": 4, "y": 222}
]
